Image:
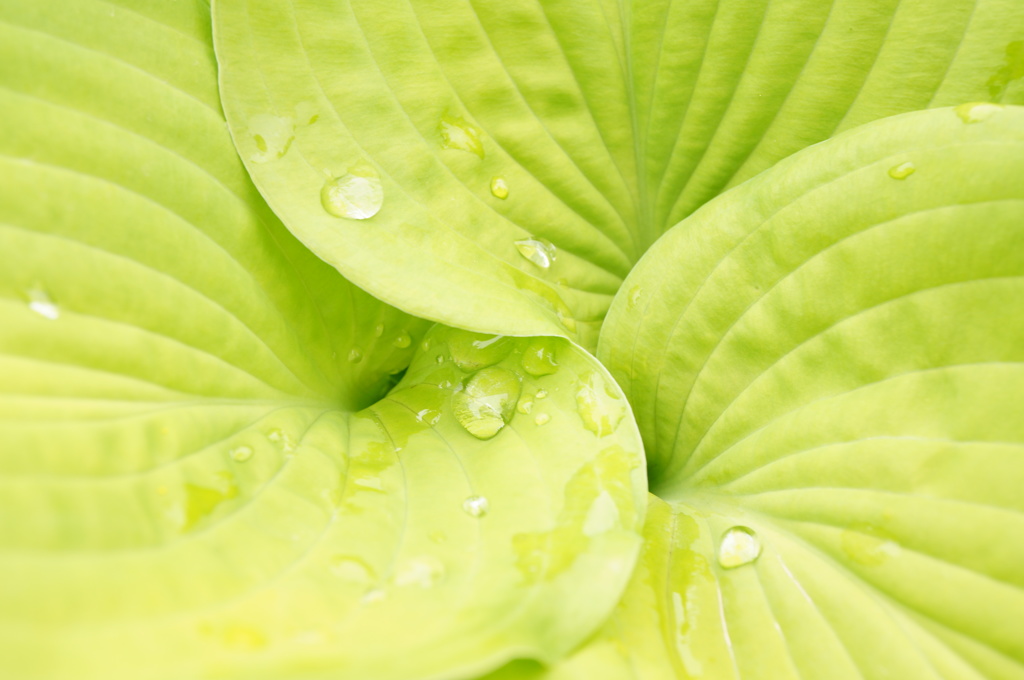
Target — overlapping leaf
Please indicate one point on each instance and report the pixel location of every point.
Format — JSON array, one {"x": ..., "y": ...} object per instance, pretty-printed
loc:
[
  {"x": 827, "y": 367},
  {"x": 200, "y": 473},
  {"x": 486, "y": 130}
]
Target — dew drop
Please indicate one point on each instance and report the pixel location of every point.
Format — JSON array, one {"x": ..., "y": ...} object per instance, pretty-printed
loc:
[
  {"x": 539, "y": 358},
  {"x": 977, "y": 112},
  {"x": 402, "y": 340},
  {"x": 488, "y": 401},
  {"x": 456, "y": 133},
  {"x": 739, "y": 546},
  {"x": 273, "y": 136},
  {"x": 354, "y": 355},
  {"x": 356, "y": 195},
  {"x": 429, "y": 416},
  {"x": 379, "y": 330},
  {"x": 240, "y": 454},
  {"x": 499, "y": 187},
  {"x": 542, "y": 394},
  {"x": 539, "y": 253},
  {"x": 439, "y": 359},
  {"x": 40, "y": 303},
  {"x": 542, "y": 419},
  {"x": 635, "y": 293},
  {"x": 475, "y": 506},
  {"x": 600, "y": 410},
  {"x": 472, "y": 351},
  {"x": 351, "y": 569},
  {"x": 424, "y": 571},
  {"x": 282, "y": 440},
  {"x": 902, "y": 171},
  {"x": 525, "y": 406}
]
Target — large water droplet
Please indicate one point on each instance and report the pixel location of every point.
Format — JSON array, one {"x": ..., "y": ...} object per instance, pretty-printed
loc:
[
  {"x": 40, "y": 303},
  {"x": 488, "y": 401},
  {"x": 475, "y": 506},
  {"x": 273, "y": 136},
  {"x": 539, "y": 253},
  {"x": 356, "y": 195},
  {"x": 739, "y": 546},
  {"x": 977, "y": 112},
  {"x": 499, "y": 187},
  {"x": 473, "y": 351},
  {"x": 402, "y": 340},
  {"x": 424, "y": 571},
  {"x": 524, "y": 406},
  {"x": 539, "y": 358},
  {"x": 354, "y": 355},
  {"x": 240, "y": 454},
  {"x": 902, "y": 171},
  {"x": 456, "y": 133},
  {"x": 600, "y": 409}
]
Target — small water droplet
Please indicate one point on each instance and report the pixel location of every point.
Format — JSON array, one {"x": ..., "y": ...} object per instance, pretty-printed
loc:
[
  {"x": 439, "y": 359},
  {"x": 977, "y": 112},
  {"x": 539, "y": 253},
  {"x": 499, "y": 187},
  {"x": 425, "y": 345},
  {"x": 456, "y": 133},
  {"x": 600, "y": 409},
  {"x": 739, "y": 546},
  {"x": 354, "y": 355},
  {"x": 525, "y": 406},
  {"x": 542, "y": 419},
  {"x": 240, "y": 454},
  {"x": 488, "y": 401},
  {"x": 378, "y": 330},
  {"x": 539, "y": 358},
  {"x": 351, "y": 569},
  {"x": 40, "y": 303},
  {"x": 473, "y": 351},
  {"x": 356, "y": 195},
  {"x": 902, "y": 171},
  {"x": 635, "y": 293},
  {"x": 402, "y": 340},
  {"x": 475, "y": 506},
  {"x": 424, "y": 571},
  {"x": 282, "y": 440},
  {"x": 542, "y": 394},
  {"x": 429, "y": 416},
  {"x": 273, "y": 136}
]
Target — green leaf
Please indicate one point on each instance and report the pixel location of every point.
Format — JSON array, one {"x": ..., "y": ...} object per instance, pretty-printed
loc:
[
  {"x": 828, "y": 369},
  {"x": 485, "y": 130},
  {"x": 207, "y": 468}
]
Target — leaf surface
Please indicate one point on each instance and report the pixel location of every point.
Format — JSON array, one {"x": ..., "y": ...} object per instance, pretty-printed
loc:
[
  {"x": 220, "y": 459},
  {"x": 469, "y": 136},
  {"x": 827, "y": 370}
]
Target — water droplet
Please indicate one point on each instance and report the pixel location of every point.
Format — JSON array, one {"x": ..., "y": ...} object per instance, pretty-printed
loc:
[
  {"x": 439, "y": 359},
  {"x": 456, "y": 133},
  {"x": 635, "y": 293},
  {"x": 368, "y": 482},
  {"x": 354, "y": 355},
  {"x": 241, "y": 454},
  {"x": 282, "y": 440},
  {"x": 542, "y": 419},
  {"x": 499, "y": 187},
  {"x": 739, "y": 546},
  {"x": 542, "y": 394},
  {"x": 351, "y": 569},
  {"x": 475, "y": 506},
  {"x": 424, "y": 571},
  {"x": 600, "y": 409},
  {"x": 40, "y": 303},
  {"x": 273, "y": 136},
  {"x": 425, "y": 345},
  {"x": 977, "y": 112},
  {"x": 429, "y": 416},
  {"x": 539, "y": 253},
  {"x": 356, "y": 195},
  {"x": 473, "y": 351},
  {"x": 488, "y": 401},
  {"x": 602, "y": 517},
  {"x": 902, "y": 171},
  {"x": 525, "y": 406},
  {"x": 539, "y": 358},
  {"x": 378, "y": 330},
  {"x": 402, "y": 340}
]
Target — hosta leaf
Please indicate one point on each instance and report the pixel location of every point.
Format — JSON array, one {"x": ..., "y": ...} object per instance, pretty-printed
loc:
[
  {"x": 207, "y": 469},
  {"x": 828, "y": 369},
  {"x": 466, "y": 138}
]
